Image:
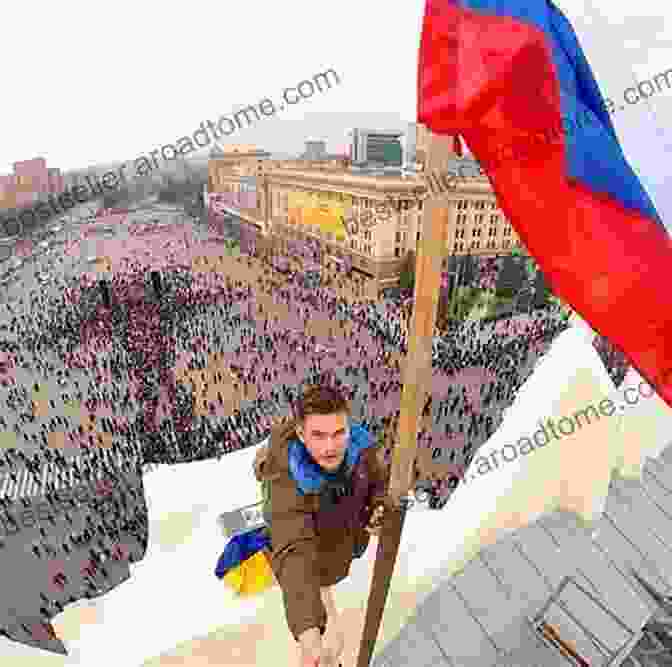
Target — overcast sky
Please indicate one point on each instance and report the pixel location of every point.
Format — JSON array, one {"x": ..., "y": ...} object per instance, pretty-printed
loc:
[{"x": 87, "y": 85}]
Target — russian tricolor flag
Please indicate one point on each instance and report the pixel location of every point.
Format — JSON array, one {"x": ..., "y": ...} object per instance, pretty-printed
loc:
[{"x": 511, "y": 78}]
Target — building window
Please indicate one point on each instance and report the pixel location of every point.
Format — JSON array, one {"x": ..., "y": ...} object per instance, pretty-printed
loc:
[
  {"x": 461, "y": 204},
  {"x": 493, "y": 205},
  {"x": 397, "y": 252},
  {"x": 479, "y": 218},
  {"x": 461, "y": 218},
  {"x": 418, "y": 236},
  {"x": 507, "y": 231},
  {"x": 475, "y": 245},
  {"x": 397, "y": 238},
  {"x": 494, "y": 219},
  {"x": 507, "y": 244}
]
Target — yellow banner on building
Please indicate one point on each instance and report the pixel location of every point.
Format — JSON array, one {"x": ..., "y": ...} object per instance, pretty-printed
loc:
[{"x": 324, "y": 210}]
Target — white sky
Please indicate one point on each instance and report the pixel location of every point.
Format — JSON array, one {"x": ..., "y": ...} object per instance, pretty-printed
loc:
[{"x": 97, "y": 85}]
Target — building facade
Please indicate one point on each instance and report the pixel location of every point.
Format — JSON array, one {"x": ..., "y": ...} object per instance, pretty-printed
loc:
[
  {"x": 374, "y": 220},
  {"x": 385, "y": 215}
]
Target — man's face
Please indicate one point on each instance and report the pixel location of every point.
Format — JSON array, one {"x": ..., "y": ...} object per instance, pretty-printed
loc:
[{"x": 325, "y": 438}]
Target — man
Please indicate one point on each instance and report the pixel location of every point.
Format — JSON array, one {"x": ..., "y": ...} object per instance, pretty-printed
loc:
[{"x": 324, "y": 492}]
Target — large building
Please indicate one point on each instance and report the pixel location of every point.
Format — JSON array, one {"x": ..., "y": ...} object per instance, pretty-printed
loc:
[
  {"x": 235, "y": 186},
  {"x": 376, "y": 147},
  {"x": 31, "y": 181},
  {"x": 375, "y": 219},
  {"x": 338, "y": 209}
]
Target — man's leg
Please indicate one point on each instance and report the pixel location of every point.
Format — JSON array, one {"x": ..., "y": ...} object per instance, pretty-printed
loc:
[{"x": 333, "y": 641}]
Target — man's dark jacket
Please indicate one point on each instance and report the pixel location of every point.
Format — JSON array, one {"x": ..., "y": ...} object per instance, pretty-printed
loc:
[{"x": 316, "y": 529}]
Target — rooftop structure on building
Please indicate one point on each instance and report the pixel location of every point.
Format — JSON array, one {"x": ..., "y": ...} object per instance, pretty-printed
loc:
[
  {"x": 237, "y": 151},
  {"x": 315, "y": 150},
  {"x": 376, "y": 147}
]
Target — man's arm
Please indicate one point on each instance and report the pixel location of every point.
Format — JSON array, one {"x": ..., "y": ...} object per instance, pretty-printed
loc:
[{"x": 295, "y": 558}]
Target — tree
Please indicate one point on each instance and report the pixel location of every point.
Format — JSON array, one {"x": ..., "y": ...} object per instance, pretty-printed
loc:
[
  {"x": 468, "y": 270},
  {"x": 407, "y": 275},
  {"x": 511, "y": 277},
  {"x": 541, "y": 290}
]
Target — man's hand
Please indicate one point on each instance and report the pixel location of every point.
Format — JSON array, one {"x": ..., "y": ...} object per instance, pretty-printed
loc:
[
  {"x": 332, "y": 647},
  {"x": 310, "y": 643},
  {"x": 376, "y": 521},
  {"x": 316, "y": 653}
]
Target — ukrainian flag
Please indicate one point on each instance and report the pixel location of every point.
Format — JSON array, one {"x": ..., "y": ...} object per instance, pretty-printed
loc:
[{"x": 244, "y": 565}]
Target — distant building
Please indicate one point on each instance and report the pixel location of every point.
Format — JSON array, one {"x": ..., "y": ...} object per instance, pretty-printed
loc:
[
  {"x": 31, "y": 180},
  {"x": 315, "y": 150},
  {"x": 282, "y": 201},
  {"x": 376, "y": 147}
]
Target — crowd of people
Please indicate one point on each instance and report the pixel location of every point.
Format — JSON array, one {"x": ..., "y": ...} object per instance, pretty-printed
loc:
[
  {"x": 130, "y": 372},
  {"x": 214, "y": 325}
]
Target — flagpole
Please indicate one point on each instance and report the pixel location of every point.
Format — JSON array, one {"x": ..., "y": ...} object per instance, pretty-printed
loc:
[{"x": 417, "y": 380}]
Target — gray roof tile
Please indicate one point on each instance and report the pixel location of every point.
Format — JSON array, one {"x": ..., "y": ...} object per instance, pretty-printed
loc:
[
  {"x": 657, "y": 492},
  {"x": 482, "y": 594},
  {"x": 594, "y": 570},
  {"x": 654, "y": 469},
  {"x": 666, "y": 456},
  {"x": 634, "y": 495},
  {"x": 624, "y": 554},
  {"x": 527, "y": 650},
  {"x": 539, "y": 547},
  {"x": 511, "y": 566},
  {"x": 480, "y": 616},
  {"x": 595, "y": 631},
  {"x": 415, "y": 645},
  {"x": 458, "y": 634},
  {"x": 663, "y": 471},
  {"x": 638, "y": 532}
]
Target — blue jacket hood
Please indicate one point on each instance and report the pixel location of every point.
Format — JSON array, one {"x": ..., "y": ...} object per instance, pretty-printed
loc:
[{"x": 308, "y": 475}]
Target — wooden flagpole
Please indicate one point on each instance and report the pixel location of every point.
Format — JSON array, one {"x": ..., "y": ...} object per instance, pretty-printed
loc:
[{"x": 417, "y": 381}]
